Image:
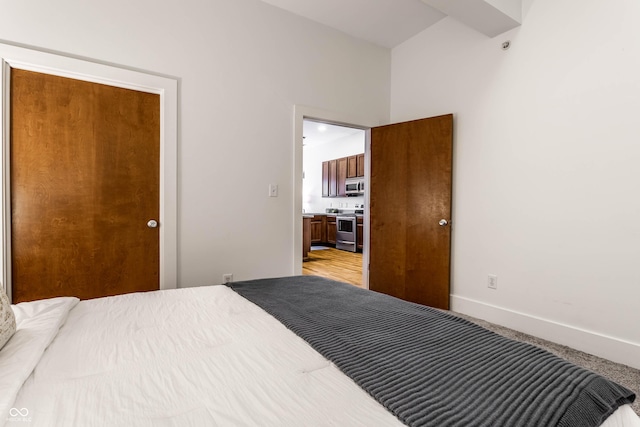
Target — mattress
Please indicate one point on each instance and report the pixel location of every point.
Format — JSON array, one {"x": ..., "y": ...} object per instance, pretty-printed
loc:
[{"x": 186, "y": 357}]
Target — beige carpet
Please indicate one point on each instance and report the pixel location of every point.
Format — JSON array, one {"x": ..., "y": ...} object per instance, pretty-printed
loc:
[{"x": 621, "y": 374}]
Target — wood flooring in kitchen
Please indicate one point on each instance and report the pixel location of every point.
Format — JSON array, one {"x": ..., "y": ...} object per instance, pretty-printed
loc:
[{"x": 335, "y": 264}]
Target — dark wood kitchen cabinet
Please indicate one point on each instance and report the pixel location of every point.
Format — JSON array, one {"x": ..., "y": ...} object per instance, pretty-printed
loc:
[
  {"x": 330, "y": 178},
  {"x": 359, "y": 232},
  {"x": 342, "y": 176},
  {"x": 360, "y": 165},
  {"x": 333, "y": 178},
  {"x": 331, "y": 229},
  {"x": 306, "y": 237},
  {"x": 318, "y": 229},
  {"x": 352, "y": 166},
  {"x": 325, "y": 179},
  {"x": 335, "y": 173}
]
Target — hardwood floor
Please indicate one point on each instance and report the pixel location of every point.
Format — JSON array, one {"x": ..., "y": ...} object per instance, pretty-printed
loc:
[{"x": 335, "y": 264}]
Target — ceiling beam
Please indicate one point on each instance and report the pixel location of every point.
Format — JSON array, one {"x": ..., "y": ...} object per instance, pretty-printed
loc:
[{"x": 490, "y": 17}]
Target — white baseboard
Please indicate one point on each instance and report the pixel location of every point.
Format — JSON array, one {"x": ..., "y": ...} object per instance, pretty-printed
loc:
[{"x": 607, "y": 347}]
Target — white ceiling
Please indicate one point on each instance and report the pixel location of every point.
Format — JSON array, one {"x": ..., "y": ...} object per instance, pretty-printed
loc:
[
  {"x": 316, "y": 133},
  {"x": 388, "y": 23}
]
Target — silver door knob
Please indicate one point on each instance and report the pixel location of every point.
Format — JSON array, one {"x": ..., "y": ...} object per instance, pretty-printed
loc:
[
  {"x": 152, "y": 223},
  {"x": 443, "y": 222}
]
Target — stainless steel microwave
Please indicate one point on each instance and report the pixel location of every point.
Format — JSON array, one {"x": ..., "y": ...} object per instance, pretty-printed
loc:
[{"x": 354, "y": 186}]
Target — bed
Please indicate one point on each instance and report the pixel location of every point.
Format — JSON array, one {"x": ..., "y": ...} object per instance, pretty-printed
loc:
[{"x": 222, "y": 356}]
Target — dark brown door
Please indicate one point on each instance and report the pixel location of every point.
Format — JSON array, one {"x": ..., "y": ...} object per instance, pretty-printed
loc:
[
  {"x": 410, "y": 194},
  {"x": 85, "y": 169}
]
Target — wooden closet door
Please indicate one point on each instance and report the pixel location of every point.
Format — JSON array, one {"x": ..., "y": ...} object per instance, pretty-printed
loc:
[
  {"x": 411, "y": 176},
  {"x": 85, "y": 170}
]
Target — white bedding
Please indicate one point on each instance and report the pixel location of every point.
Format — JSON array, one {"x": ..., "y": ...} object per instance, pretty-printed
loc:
[
  {"x": 37, "y": 325},
  {"x": 189, "y": 357}
]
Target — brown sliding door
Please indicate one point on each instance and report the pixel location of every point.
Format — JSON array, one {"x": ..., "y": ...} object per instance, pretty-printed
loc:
[
  {"x": 85, "y": 170},
  {"x": 410, "y": 209}
]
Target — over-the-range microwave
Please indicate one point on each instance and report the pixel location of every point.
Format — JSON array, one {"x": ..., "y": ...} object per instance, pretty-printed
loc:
[{"x": 354, "y": 186}]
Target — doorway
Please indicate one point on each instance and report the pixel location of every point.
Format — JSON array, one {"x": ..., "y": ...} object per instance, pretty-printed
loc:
[
  {"x": 412, "y": 220},
  {"x": 333, "y": 200}
]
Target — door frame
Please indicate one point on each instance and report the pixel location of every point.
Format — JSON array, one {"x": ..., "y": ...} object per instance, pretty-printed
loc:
[
  {"x": 95, "y": 72},
  {"x": 300, "y": 113}
]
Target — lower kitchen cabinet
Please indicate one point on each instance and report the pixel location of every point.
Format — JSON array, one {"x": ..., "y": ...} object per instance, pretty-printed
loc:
[
  {"x": 318, "y": 229},
  {"x": 331, "y": 229},
  {"x": 306, "y": 237},
  {"x": 359, "y": 232}
]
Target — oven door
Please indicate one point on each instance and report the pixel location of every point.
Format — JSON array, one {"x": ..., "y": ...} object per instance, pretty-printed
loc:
[
  {"x": 345, "y": 225},
  {"x": 346, "y": 233}
]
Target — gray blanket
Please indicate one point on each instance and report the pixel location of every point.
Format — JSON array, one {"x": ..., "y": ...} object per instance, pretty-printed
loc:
[{"x": 431, "y": 368}]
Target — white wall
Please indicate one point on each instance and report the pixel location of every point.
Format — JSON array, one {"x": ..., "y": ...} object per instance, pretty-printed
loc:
[
  {"x": 313, "y": 156},
  {"x": 546, "y": 167},
  {"x": 242, "y": 66}
]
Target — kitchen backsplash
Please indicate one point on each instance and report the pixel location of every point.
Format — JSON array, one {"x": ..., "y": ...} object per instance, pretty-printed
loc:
[{"x": 320, "y": 206}]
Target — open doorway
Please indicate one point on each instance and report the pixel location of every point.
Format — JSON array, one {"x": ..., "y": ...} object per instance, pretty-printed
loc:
[{"x": 333, "y": 201}]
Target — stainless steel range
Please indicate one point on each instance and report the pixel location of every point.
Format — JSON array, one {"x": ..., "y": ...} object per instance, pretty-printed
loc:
[{"x": 346, "y": 232}]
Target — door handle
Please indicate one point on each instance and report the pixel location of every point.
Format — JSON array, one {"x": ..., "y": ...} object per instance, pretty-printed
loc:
[
  {"x": 443, "y": 222},
  {"x": 152, "y": 223}
]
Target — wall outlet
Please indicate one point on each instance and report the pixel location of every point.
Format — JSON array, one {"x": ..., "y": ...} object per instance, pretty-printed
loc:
[
  {"x": 227, "y": 278},
  {"x": 492, "y": 281}
]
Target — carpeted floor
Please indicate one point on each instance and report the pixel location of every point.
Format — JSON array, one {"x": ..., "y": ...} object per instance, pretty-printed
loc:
[{"x": 622, "y": 374}]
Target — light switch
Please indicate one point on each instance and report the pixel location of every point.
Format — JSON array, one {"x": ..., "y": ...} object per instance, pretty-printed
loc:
[{"x": 273, "y": 190}]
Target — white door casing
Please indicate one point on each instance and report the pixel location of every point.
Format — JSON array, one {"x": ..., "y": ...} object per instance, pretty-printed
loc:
[{"x": 341, "y": 119}]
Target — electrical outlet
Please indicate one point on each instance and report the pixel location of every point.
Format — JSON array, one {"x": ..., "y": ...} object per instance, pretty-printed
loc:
[
  {"x": 227, "y": 278},
  {"x": 492, "y": 281}
]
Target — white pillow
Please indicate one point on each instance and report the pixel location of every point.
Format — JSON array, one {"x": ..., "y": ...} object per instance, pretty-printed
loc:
[
  {"x": 37, "y": 323},
  {"x": 7, "y": 319}
]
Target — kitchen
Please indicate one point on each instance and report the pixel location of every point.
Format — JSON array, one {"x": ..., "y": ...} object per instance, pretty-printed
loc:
[{"x": 333, "y": 201}]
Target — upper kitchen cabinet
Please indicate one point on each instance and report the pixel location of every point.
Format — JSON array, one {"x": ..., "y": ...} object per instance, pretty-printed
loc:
[
  {"x": 352, "y": 166},
  {"x": 355, "y": 166},
  {"x": 325, "y": 179},
  {"x": 336, "y": 172},
  {"x": 330, "y": 178},
  {"x": 360, "y": 165},
  {"x": 342, "y": 176}
]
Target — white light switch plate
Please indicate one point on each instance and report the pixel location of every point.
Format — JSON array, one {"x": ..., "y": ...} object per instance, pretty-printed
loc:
[{"x": 273, "y": 190}]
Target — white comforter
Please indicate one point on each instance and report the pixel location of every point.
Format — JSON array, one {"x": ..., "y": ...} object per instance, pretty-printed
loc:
[
  {"x": 187, "y": 357},
  {"x": 191, "y": 357}
]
